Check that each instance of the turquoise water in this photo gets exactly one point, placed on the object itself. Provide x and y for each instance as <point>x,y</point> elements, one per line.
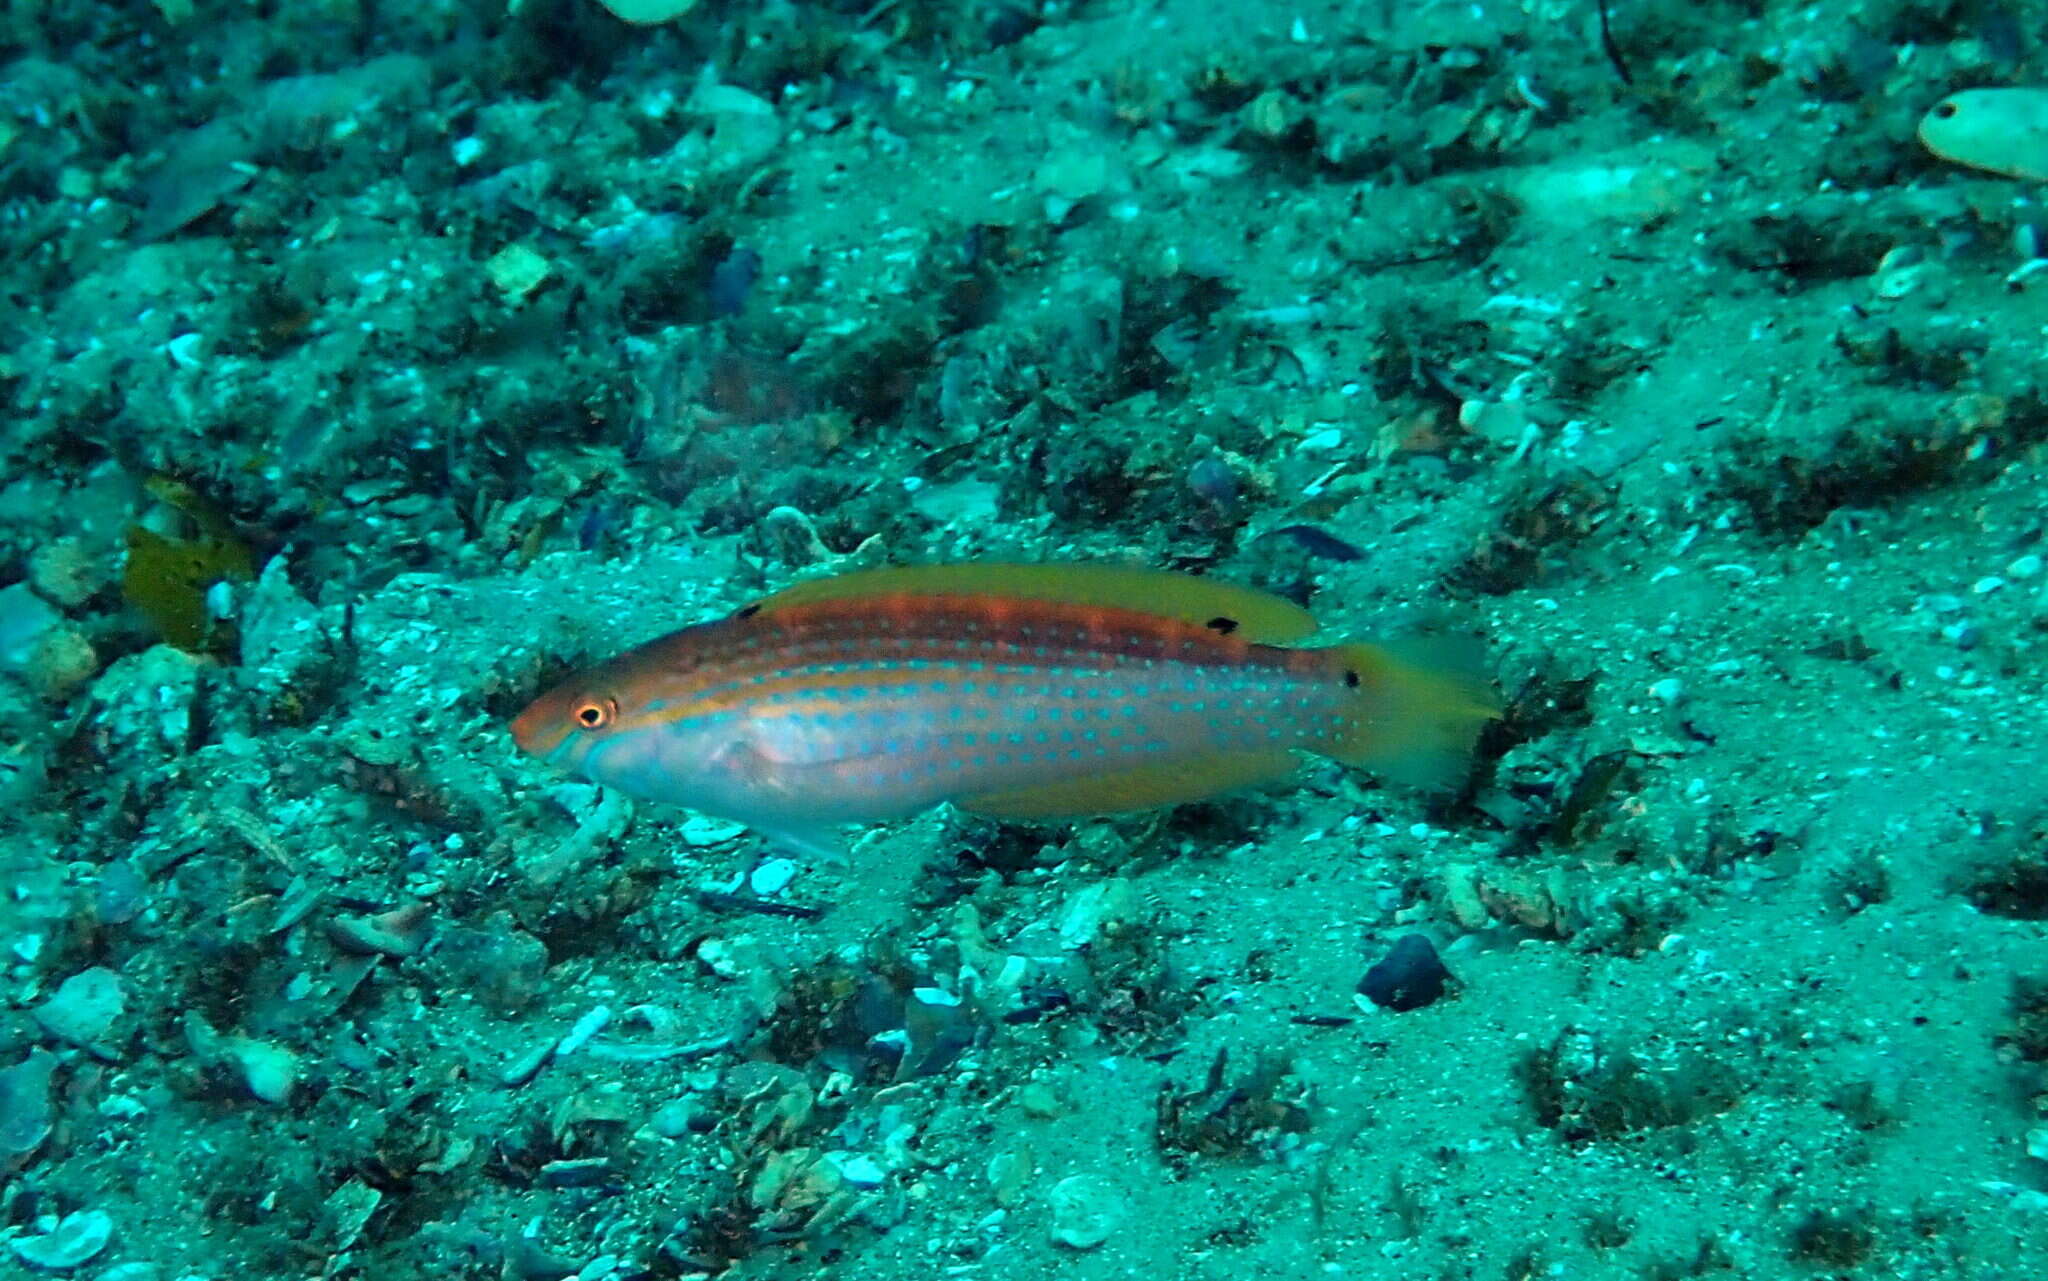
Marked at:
<point>370,367</point>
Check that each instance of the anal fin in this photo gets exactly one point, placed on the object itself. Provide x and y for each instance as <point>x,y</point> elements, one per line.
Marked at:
<point>1143,787</point>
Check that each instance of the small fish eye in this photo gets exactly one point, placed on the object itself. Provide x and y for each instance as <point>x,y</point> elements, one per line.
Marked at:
<point>596,713</point>
<point>1222,626</point>
<point>1945,110</point>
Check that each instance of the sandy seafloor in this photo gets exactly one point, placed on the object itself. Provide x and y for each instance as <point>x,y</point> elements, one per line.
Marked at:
<point>368,365</point>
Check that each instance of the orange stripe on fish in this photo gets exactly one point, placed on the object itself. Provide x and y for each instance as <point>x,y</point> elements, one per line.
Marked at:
<point>1021,691</point>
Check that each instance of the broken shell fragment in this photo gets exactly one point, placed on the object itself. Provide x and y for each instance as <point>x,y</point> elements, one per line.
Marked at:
<point>346,1211</point>
<point>76,1239</point>
<point>578,1172</point>
<point>399,932</point>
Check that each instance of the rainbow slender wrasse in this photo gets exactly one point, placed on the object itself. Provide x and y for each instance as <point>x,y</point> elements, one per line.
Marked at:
<point>1018,691</point>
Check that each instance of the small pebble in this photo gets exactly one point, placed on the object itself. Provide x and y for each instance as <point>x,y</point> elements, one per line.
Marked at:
<point>517,270</point>
<point>1500,421</point>
<point>2028,1200</point>
<point>1040,1100</point>
<point>772,877</point>
<point>675,1118</point>
<point>858,1171</point>
<point>119,893</point>
<point>1411,977</point>
<point>1009,1173</point>
<point>1213,480</point>
<point>84,1007</point>
<point>63,661</point>
<point>717,956</point>
<point>270,1071</point>
<point>26,1109</point>
<point>1085,1211</point>
<point>24,617</point>
<point>2025,567</point>
<point>732,280</point>
<point>699,832</point>
<point>67,572</point>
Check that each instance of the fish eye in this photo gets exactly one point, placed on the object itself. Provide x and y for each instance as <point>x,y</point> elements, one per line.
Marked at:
<point>596,713</point>
<point>1945,109</point>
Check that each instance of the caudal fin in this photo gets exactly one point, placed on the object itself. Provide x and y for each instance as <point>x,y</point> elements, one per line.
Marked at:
<point>1424,703</point>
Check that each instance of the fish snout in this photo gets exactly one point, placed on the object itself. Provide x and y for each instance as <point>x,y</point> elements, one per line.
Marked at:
<point>542,728</point>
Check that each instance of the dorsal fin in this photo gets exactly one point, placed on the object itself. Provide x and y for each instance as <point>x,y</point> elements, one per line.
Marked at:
<point>1252,615</point>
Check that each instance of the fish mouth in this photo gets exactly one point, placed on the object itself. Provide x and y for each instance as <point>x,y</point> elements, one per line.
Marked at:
<point>540,730</point>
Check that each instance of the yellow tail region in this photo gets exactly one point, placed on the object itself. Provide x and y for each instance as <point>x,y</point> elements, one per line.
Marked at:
<point>1427,701</point>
